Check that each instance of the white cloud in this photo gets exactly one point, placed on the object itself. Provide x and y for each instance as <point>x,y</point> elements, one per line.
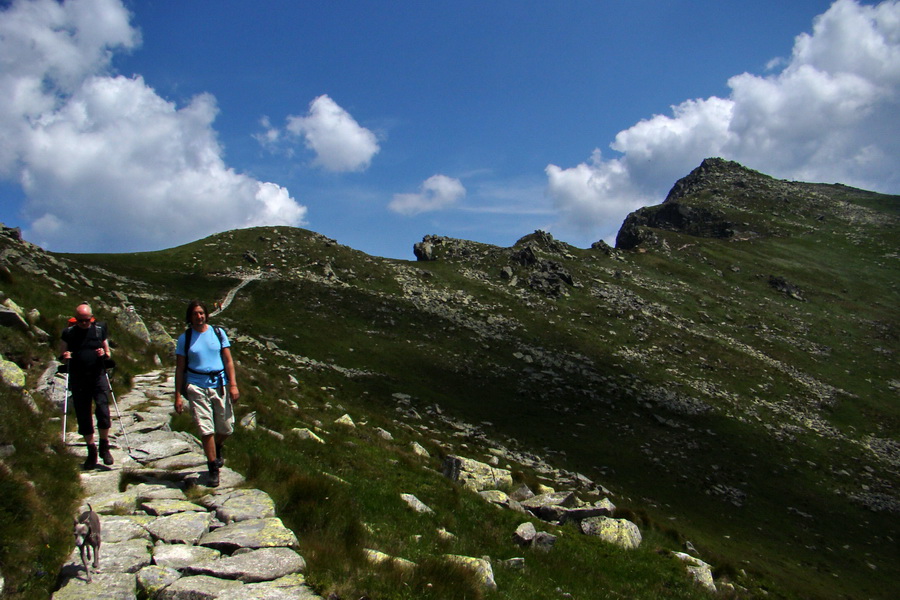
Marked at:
<point>340,143</point>
<point>831,114</point>
<point>105,162</point>
<point>436,193</point>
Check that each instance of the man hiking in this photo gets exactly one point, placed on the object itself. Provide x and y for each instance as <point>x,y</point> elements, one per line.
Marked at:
<point>204,374</point>
<point>84,349</point>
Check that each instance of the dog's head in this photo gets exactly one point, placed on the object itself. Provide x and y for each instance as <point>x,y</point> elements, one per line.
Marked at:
<point>81,531</point>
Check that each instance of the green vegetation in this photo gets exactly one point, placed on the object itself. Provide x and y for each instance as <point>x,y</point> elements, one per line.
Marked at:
<point>737,392</point>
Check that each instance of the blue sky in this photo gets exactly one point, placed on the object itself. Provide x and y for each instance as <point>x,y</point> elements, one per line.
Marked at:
<point>147,124</point>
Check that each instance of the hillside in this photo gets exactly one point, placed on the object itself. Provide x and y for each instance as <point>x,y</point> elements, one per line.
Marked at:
<point>727,373</point>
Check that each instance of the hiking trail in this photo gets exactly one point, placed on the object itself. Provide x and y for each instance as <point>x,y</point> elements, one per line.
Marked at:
<point>157,541</point>
<point>233,292</point>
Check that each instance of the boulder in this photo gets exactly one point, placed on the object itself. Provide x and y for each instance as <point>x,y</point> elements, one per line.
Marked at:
<point>621,532</point>
<point>699,570</point>
<point>551,506</point>
<point>11,374</point>
<point>525,534</point>
<point>415,504</point>
<point>544,541</point>
<point>131,322</point>
<point>13,319</point>
<point>475,475</point>
<point>481,568</point>
<point>424,250</point>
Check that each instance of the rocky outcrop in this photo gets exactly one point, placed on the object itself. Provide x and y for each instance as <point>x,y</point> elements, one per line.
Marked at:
<point>671,216</point>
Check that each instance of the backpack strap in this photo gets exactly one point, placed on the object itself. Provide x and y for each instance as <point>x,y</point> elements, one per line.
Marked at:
<point>187,346</point>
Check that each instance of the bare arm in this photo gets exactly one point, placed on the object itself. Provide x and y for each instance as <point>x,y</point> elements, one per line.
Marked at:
<point>229,370</point>
<point>180,364</point>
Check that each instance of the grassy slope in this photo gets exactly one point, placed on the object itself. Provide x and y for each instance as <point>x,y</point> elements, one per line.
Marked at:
<point>697,318</point>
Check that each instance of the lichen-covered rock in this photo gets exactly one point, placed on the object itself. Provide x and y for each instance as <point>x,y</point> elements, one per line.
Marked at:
<point>481,567</point>
<point>153,578</point>
<point>181,528</point>
<point>179,556</point>
<point>620,532</point>
<point>307,434</point>
<point>240,505</point>
<point>11,374</point>
<point>699,570</point>
<point>105,586</point>
<point>198,587</point>
<point>264,564</point>
<point>254,533</point>
<point>474,475</point>
<point>169,506</point>
<point>120,528</point>
<point>289,587</point>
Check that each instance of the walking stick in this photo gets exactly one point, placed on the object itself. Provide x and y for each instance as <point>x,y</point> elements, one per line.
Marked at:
<point>116,404</point>
<point>65,401</point>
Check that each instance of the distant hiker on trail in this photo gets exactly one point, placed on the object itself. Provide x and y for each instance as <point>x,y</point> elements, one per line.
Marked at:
<point>204,374</point>
<point>84,349</point>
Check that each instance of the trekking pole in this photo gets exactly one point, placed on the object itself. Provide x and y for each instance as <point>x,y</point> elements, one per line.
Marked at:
<point>118,414</point>
<point>65,401</point>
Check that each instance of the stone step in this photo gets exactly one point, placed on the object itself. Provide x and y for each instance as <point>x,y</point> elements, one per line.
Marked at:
<point>155,541</point>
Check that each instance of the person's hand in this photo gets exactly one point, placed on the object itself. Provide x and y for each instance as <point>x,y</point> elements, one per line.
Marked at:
<point>234,392</point>
<point>66,355</point>
<point>100,352</point>
<point>179,405</point>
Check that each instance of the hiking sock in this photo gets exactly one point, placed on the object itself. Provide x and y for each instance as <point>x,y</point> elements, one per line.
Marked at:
<point>220,458</point>
<point>213,479</point>
<point>91,461</point>
<point>104,452</point>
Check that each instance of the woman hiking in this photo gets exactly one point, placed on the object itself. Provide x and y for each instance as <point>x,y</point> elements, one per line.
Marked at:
<point>204,374</point>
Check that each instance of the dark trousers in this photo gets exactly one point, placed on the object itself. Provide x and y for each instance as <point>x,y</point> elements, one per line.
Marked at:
<point>82,399</point>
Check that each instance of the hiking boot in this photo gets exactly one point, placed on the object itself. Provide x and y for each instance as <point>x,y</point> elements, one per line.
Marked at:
<point>220,458</point>
<point>91,461</point>
<point>104,452</point>
<point>213,477</point>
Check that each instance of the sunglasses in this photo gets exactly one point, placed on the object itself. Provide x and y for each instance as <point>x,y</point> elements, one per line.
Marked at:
<point>83,319</point>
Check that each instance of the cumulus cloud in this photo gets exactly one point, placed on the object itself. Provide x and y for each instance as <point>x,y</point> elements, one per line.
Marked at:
<point>339,142</point>
<point>832,113</point>
<point>436,193</point>
<point>107,164</point>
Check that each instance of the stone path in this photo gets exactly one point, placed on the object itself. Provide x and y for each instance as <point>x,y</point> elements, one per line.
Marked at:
<point>166,535</point>
<point>233,292</point>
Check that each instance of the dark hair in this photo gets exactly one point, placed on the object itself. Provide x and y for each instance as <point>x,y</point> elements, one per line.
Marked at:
<point>190,309</point>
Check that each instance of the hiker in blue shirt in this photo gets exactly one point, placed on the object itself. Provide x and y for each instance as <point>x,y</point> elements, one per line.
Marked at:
<point>204,374</point>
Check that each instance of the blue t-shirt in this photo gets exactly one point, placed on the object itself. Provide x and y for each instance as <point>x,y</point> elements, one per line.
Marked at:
<point>205,366</point>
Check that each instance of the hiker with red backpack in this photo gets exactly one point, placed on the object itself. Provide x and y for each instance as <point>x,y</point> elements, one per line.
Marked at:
<point>85,349</point>
<point>204,374</point>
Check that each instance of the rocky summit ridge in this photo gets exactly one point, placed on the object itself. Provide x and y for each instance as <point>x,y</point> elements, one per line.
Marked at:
<point>725,378</point>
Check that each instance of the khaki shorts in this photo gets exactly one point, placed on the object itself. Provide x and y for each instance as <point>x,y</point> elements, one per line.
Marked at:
<point>212,410</point>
